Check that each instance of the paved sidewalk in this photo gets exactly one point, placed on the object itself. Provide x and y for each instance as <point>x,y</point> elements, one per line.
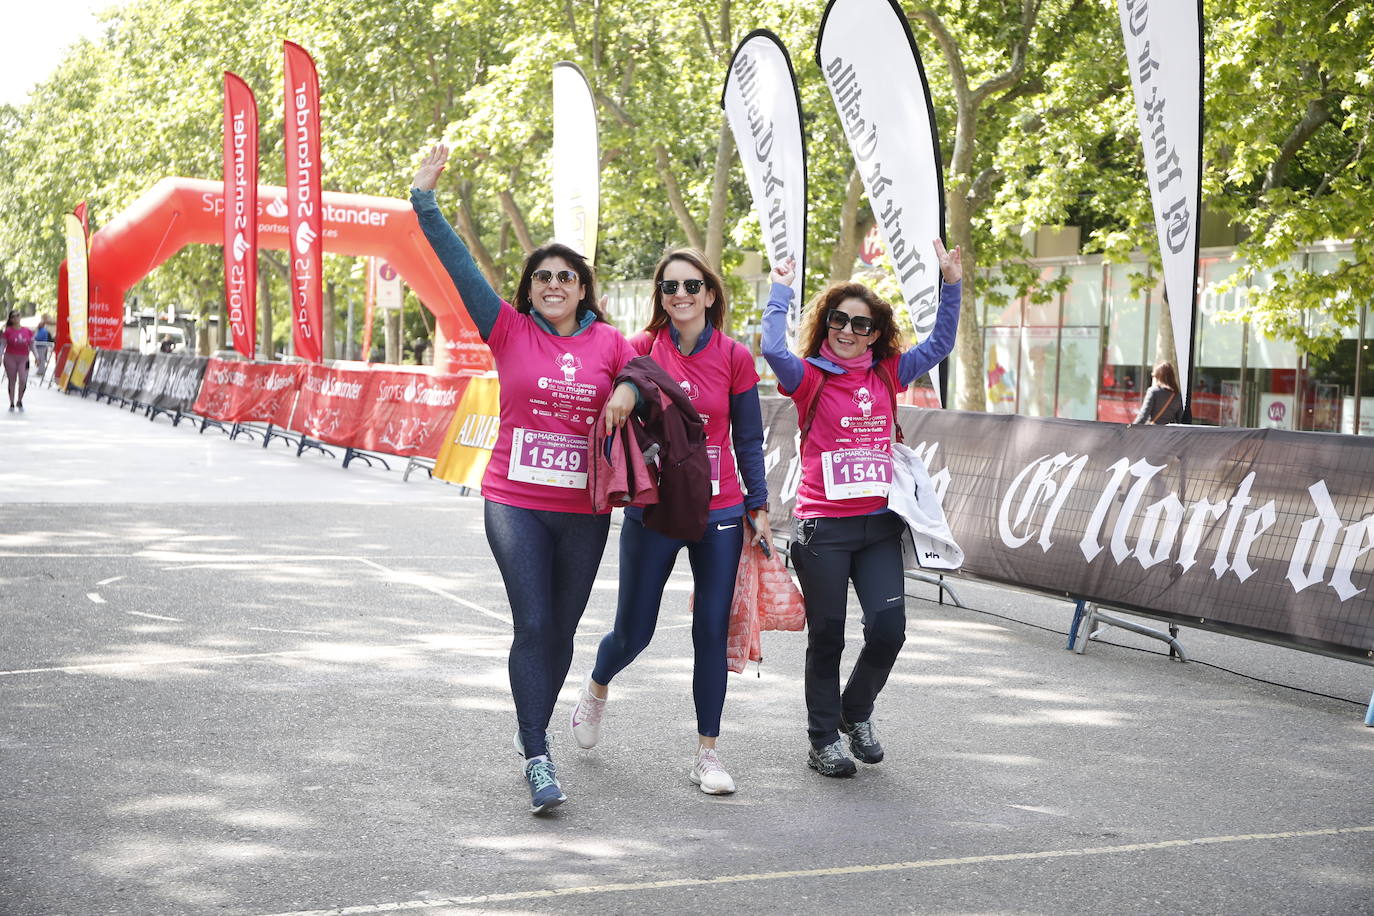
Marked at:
<point>283,691</point>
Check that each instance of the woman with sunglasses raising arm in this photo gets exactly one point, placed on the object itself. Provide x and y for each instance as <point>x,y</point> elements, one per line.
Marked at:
<point>557,359</point>
<point>845,392</point>
<point>684,336</point>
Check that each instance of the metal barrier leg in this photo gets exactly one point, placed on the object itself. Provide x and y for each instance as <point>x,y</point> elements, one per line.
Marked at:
<point>1110,620</point>
<point>1077,619</point>
<point>938,582</point>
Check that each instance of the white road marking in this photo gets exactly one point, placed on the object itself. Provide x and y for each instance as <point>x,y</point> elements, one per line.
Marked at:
<point>155,616</point>
<point>109,580</point>
<point>300,632</point>
<point>322,651</point>
<point>825,872</point>
<point>421,583</point>
<point>95,598</point>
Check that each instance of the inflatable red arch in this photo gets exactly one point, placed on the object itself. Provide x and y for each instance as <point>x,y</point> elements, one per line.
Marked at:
<point>177,212</point>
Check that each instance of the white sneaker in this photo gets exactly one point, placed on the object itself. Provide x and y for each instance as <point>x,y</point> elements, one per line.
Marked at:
<point>709,774</point>
<point>586,717</point>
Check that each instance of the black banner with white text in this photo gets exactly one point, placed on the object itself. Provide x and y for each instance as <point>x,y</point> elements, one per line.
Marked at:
<point>1261,533</point>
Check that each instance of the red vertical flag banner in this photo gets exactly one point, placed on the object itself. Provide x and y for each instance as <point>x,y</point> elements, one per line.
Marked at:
<point>240,212</point>
<point>305,222</point>
<point>369,310</point>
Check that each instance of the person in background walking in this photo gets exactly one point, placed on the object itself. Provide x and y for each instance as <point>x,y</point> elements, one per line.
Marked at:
<point>42,346</point>
<point>684,336</point>
<point>845,393</point>
<point>1163,403</point>
<point>557,358</point>
<point>18,341</point>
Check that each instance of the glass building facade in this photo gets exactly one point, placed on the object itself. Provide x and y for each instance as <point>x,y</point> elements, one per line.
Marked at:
<point>1086,354</point>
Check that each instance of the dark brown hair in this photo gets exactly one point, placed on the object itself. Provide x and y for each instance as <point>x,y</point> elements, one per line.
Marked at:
<point>1165,373</point>
<point>887,337</point>
<point>575,261</point>
<point>715,312</point>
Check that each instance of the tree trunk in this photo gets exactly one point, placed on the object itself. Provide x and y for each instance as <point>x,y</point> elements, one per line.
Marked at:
<point>720,188</point>
<point>675,201</point>
<point>1166,349</point>
<point>391,324</point>
<point>971,391</point>
<point>327,322</point>
<point>265,349</point>
<point>853,228</point>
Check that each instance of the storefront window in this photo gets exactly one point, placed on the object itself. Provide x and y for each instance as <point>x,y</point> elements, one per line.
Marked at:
<point>1000,352</point>
<point>1124,378</point>
<point>1217,394</point>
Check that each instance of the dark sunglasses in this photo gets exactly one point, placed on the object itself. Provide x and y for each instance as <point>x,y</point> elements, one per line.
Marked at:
<point>861,325</point>
<point>669,287</point>
<point>566,277</point>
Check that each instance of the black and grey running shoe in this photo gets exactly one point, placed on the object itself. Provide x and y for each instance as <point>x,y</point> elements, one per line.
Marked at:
<point>863,741</point>
<point>831,760</point>
<point>545,792</point>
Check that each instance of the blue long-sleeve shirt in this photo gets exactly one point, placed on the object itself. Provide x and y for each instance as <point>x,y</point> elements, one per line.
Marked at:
<point>914,363</point>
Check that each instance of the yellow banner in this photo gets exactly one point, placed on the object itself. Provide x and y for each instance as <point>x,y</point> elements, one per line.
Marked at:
<point>78,367</point>
<point>472,434</point>
<point>77,283</point>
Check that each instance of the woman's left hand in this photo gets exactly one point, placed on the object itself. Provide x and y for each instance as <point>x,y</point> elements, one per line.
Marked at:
<point>763,534</point>
<point>951,262</point>
<point>619,406</point>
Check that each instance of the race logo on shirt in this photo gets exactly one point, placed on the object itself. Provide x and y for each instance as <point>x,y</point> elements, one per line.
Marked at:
<point>569,364</point>
<point>689,389</point>
<point>864,399</point>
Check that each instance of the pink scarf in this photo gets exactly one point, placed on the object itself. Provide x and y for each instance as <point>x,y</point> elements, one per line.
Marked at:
<point>861,363</point>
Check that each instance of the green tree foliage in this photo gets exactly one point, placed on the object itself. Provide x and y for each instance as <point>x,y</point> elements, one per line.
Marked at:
<point>1033,103</point>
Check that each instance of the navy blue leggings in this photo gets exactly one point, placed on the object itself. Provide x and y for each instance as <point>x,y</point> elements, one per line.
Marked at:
<point>646,561</point>
<point>548,561</point>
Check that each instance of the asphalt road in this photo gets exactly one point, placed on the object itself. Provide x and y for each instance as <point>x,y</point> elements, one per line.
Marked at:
<point>278,687</point>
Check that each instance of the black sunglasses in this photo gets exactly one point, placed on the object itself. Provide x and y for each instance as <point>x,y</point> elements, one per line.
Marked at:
<point>861,325</point>
<point>669,287</point>
<point>566,277</point>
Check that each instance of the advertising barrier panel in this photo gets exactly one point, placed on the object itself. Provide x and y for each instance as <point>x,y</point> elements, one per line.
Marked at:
<point>332,404</point>
<point>472,434</point>
<point>408,413</point>
<point>234,391</point>
<point>1258,533</point>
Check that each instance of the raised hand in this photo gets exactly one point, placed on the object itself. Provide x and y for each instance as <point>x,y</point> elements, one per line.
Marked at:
<point>784,272</point>
<point>951,262</point>
<point>427,176</point>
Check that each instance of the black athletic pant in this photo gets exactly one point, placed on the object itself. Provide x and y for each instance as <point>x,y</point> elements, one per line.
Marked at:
<point>828,554</point>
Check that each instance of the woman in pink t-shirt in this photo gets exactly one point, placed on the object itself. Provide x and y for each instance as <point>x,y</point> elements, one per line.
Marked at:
<point>558,359</point>
<point>685,337</point>
<point>845,391</point>
<point>18,340</point>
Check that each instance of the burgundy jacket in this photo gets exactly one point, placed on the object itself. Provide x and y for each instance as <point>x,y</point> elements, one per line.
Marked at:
<point>668,420</point>
<point>620,474</point>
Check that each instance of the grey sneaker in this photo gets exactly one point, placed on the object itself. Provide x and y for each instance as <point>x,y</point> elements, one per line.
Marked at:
<point>545,792</point>
<point>831,760</point>
<point>863,741</point>
<point>520,744</point>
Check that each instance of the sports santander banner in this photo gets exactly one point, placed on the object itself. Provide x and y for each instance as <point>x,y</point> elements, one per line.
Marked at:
<point>332,405</point>
<point>242,392</point>
<point>408,413</point>
<point>240,213</point>
<point>1164,55</point>
<point>576,161</point>
<point>78,288</point>
<point>764,110</point>
<point>304,199</point>
<point>876,78</point>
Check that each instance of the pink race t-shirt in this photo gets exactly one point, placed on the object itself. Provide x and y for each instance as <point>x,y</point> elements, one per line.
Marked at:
<point>846,456</point>
<point>552,391</point>
<point>722,368</point>
<point>17,341</point>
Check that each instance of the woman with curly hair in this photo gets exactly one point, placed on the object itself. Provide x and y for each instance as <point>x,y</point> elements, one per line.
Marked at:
<point>844,386</point>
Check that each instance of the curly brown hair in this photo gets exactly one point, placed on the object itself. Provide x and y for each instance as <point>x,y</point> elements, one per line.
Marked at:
<point>715,312</point>
<point>887,337</point>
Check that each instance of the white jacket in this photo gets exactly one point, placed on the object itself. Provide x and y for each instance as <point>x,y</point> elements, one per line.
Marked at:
<point>928,542</point>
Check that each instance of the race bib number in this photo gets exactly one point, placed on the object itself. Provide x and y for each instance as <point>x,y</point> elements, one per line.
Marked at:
<point>713,455</point>
<point>853,473</point>
<point>548,459</point>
